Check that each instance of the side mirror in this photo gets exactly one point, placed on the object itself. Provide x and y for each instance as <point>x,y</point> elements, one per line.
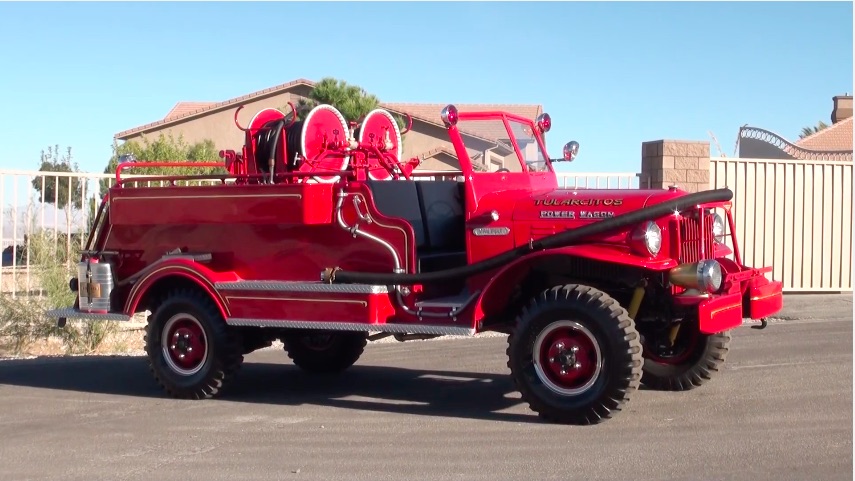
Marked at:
<point>570,150</point>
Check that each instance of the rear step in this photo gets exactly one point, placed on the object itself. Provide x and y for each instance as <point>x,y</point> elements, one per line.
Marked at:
<point>72,313</point>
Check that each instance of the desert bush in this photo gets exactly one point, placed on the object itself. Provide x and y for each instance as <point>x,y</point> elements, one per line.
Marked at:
<point>23,323</point>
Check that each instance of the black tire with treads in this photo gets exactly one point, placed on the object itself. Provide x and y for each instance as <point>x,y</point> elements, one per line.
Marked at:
<point>223,348</point>
<point>600,321</point>
<point>340,352</point>
<point>706,360</point>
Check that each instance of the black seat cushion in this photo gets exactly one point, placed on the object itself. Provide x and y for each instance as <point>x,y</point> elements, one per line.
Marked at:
<point>435,210</point>
<point>399,198</point>
<point>443,214</point>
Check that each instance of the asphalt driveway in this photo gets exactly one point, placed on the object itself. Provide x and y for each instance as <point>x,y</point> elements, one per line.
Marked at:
<point>439,410</point>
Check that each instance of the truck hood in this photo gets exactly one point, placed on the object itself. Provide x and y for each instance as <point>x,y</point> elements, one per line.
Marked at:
<point>589,204</point>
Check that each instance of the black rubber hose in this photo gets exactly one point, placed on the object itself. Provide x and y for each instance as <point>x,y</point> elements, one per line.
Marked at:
<point>561,239</point>
<point>292,143</point>
<point>277,131</point>
<point>266,140</point>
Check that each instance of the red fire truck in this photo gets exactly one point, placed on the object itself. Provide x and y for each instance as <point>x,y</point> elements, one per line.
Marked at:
<point>319,235</point>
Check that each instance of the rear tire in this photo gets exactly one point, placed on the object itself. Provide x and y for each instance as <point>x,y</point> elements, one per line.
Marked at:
<point>575,355</point>
<point>322,352</point>
<point>192,353</point>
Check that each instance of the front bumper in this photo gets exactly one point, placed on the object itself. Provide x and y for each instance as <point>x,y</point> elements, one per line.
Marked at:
<point>752,297</point>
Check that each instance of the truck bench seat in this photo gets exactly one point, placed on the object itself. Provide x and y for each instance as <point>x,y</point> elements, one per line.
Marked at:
<point>399,198</point>
<point>435,210</point>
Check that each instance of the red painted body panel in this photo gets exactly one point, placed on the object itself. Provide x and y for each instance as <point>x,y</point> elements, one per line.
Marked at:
<point>720,313</point>
<point>311,307</point>
<point>276,247</point>
<point>204,277</point>
<point>223,204</point>
<point>764,297</point>
<point>497,286</point>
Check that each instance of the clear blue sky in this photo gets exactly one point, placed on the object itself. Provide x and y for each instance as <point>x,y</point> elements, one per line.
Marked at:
<point>612,75</point>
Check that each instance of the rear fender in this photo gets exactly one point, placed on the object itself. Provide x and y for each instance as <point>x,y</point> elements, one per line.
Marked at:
<point>184,269</point>
<point>498,289</point>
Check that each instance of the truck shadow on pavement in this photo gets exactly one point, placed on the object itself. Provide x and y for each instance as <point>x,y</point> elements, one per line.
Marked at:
<point>482,396</point>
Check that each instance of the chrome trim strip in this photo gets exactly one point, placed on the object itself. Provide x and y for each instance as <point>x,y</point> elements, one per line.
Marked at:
<point>354,326</point>
<point>207,196</point>
<point>290,286</point>
<point>72,313</point>
<point>198,257</point>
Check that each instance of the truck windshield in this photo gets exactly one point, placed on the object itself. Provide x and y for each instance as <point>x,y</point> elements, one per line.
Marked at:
<point>491,148</point>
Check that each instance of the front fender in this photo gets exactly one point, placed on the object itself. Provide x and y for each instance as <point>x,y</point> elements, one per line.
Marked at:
<point>498,289</point>
<point>188,269</point>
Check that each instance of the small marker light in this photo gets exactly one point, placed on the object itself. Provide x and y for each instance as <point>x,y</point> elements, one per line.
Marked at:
<point>544,122</point>
<point>449,115</point>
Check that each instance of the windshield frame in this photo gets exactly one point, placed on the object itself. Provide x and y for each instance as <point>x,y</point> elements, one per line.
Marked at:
<point>506,119</point>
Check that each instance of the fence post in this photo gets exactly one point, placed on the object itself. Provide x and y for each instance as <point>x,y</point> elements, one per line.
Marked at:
<point>685,163</point>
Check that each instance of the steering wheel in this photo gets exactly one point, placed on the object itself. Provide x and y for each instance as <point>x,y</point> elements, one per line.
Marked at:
<point>503,169</point>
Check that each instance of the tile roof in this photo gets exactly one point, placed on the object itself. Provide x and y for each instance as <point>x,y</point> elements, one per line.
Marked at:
<point>227,103</point>
<point>835,137</point>
<point>424,112</point>
<point>186,108</point>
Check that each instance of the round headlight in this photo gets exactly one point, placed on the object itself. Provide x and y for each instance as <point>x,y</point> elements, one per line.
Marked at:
<point>709,275</point>
<point>718,228</point>
<point>650,235</point>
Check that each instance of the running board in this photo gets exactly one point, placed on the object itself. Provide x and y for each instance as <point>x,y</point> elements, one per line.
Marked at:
<point>355,326</point>
<point>292,286</point>
<point>72,313</point>
<point>451,302</point>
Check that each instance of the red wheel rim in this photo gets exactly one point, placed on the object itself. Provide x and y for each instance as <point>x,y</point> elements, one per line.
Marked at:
<point>185,344</point>
<point>567,358</point>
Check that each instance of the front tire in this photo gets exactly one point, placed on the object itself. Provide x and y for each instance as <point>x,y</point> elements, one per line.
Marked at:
<point>192,353</point>
<point>693,361</point>
<point>575,355</point>
<point>322,352</point>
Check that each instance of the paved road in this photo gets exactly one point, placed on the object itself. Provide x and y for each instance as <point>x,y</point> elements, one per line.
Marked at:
<point>435,410</point>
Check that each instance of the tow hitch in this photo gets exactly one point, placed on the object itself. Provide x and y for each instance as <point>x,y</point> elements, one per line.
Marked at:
<point>763,324</point>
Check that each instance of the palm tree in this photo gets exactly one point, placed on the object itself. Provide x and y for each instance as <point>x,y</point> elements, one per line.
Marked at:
<point>807,131</point>
<point>351,100</point>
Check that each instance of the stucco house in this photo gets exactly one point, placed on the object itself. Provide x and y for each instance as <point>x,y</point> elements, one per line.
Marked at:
<point>427,139</point>
<point>832,143</point>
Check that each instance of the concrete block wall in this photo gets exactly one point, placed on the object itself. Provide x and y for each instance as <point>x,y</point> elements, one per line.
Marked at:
<point>684,163</point>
